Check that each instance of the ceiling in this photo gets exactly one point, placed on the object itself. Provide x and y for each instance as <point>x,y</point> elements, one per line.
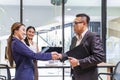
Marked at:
<point>48,2</point>
<point>112,3</point>
<point>41,12</point>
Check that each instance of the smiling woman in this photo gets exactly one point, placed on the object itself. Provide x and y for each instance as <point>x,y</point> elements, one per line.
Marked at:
<point>30,32</point>
<point>22,55</point>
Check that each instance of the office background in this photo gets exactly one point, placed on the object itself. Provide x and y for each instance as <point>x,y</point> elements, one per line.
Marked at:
<point>51,17</point>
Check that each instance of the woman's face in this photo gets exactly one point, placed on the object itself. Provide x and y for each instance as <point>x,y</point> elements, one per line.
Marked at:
<point>30,33</point>
<point>20,33</point>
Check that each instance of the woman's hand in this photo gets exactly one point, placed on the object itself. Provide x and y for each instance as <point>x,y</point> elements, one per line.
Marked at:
<point>56,55</point>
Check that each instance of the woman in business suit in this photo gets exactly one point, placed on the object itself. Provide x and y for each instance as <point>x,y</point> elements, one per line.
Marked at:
<point>20,53</point>
<point>86,50</point>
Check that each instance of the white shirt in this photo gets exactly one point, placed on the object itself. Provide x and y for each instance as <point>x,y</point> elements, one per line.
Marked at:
<point>33,47</point>
<point>79,38</point>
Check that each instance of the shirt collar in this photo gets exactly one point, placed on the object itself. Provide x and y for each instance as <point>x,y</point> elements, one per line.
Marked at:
<point>82,35</point>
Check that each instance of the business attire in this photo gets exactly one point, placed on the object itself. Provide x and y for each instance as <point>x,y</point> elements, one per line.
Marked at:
<point>34,47</point>
<point>89,52</point>
<point>23,57</point>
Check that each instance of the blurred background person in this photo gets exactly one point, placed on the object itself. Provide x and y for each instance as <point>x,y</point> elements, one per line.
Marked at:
<point>30,32</point>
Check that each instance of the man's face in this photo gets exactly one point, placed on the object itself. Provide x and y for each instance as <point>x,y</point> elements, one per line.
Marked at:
<point>79,25</point>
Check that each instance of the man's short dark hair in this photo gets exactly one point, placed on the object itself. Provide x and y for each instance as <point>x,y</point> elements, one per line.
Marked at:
<point>84,15</point>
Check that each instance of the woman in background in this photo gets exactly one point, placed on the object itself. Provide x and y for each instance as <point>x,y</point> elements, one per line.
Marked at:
<point>30,32</point>
<point>20,54</point>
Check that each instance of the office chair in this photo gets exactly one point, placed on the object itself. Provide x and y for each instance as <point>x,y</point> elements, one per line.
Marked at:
<point>115,74</point>
<point>4,72</point>
<point>2,77</point>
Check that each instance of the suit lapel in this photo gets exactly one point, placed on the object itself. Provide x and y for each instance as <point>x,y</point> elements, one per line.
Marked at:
<point>73,44</point>
<point>85,37</point>
<point>82,42</point>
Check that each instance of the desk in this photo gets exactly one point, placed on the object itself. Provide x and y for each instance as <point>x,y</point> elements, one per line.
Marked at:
<point>61,66</point>
<point>109,67</point>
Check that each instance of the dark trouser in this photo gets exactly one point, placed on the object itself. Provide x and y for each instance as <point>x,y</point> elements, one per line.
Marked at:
<point>73,78</point>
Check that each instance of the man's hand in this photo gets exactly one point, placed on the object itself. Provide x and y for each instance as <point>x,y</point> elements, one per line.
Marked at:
<point>60,56</point>
<point>73,61</point>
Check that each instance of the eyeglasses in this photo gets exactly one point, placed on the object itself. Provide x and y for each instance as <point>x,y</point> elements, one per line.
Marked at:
<point>75,23</point>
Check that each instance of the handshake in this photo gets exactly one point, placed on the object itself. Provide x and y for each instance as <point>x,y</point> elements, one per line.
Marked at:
<point>62,57</point>
<point>73,61</point>
<point>56,56</point>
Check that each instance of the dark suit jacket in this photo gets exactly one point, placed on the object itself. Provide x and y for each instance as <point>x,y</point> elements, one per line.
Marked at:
<point>89,53</point>
<point>23,57</point>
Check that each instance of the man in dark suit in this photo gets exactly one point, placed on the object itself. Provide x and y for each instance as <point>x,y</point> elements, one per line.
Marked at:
<point>86,50</point>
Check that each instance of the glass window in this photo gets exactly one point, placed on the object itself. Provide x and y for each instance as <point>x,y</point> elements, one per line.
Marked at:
<point>44,16</point>
<point>9,13</point>
<point>92,8</point>
<point>113,31</point>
